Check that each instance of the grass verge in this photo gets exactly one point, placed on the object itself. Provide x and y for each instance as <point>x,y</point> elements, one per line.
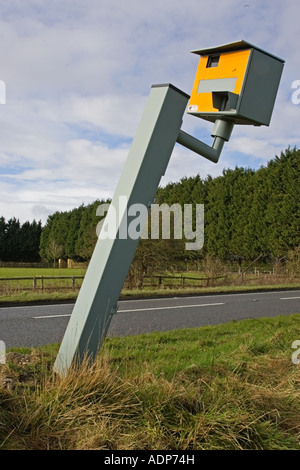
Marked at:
<point>227,387</point>
<point>22,297</point>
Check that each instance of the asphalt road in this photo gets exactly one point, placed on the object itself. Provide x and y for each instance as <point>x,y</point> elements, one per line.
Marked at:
<point>44,324</point>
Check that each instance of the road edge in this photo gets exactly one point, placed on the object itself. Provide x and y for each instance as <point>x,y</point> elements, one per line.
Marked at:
<point>144,297</point>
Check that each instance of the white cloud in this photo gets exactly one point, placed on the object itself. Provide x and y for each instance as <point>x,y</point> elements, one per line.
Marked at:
<point>113,114</point>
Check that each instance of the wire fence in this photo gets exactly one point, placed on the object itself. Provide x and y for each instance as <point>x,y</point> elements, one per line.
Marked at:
<point>160,281</point>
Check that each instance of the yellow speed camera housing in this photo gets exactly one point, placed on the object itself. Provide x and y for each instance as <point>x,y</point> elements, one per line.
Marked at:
<point>236,81</point>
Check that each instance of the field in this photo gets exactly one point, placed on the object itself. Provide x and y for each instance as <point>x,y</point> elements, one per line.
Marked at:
<point>30,272</point>
<point>228,387</point>
<point>33,284</point>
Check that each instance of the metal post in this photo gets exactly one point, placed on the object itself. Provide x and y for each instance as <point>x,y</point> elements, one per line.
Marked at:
<point>146,163</point>
<point>221,133</point>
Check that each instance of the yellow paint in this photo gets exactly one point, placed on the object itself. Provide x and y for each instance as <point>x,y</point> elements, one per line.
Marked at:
<point>231,64</point>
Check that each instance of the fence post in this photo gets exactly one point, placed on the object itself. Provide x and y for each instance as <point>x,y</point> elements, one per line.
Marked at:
<point>34,283</point>
<point>73,283</point>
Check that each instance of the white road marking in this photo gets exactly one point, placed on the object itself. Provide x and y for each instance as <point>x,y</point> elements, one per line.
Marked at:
<point>54,316</point>
<point>141,309</point>
<point>170,307</point>
<point>289,298</point>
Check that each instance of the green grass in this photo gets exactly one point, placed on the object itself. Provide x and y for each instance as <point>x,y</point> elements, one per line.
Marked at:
<point>19,272</point>
<point>205,347</point>
<point>207,290</point>
<point>226,387</point>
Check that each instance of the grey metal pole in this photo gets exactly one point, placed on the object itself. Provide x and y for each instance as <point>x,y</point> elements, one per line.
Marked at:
<point>146,163</point>
<point>221,133</point>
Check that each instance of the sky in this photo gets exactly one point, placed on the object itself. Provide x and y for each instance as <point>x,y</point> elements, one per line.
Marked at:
<point>77,75</point>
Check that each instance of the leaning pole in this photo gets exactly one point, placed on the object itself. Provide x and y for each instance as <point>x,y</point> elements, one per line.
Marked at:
<point>146,163</point>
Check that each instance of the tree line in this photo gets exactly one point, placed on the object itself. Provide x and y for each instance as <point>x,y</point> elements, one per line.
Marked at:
<point>248,214</point>
<point>19,243</point>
